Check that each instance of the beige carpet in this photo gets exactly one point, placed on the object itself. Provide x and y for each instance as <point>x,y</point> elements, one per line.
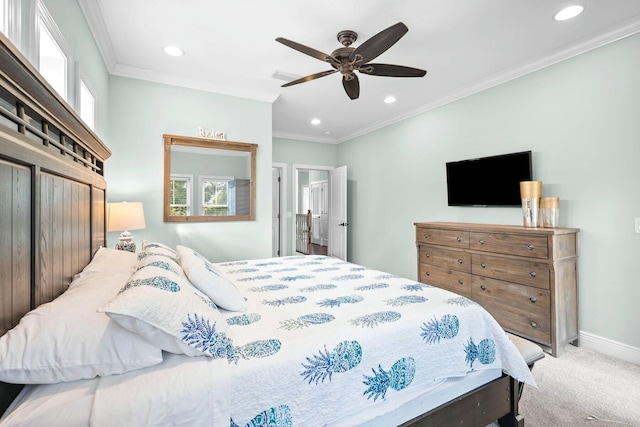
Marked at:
<point>582,388</point>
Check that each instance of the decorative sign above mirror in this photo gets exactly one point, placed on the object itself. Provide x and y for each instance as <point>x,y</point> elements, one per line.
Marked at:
<point>208,180</point>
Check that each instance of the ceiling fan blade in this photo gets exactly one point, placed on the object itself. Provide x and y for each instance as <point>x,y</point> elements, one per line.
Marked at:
<point>308,50</point>
<point>351,86</point>
<point>309,78</point>
<point>379,43</point>
<point>389,70</point>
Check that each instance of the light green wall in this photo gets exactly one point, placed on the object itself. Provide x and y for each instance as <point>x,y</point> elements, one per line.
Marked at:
<point>132,116</point>
<point>200,164</point>
<point>140,113</point>
<point>295,152</point>
<point>581,119</point>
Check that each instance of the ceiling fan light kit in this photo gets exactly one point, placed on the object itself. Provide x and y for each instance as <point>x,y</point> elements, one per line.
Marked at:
<point>347,60</point>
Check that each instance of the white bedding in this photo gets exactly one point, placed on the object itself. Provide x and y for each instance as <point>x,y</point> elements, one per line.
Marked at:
<point>115,403</point>
<point>344,343</point>
<point>322,342</point>
<point>181,390</point>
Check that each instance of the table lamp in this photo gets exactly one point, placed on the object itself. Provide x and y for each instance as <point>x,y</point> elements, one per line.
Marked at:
<point>123,217</point>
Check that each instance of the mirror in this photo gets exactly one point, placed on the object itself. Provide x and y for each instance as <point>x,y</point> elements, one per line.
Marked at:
<point>208,180</point>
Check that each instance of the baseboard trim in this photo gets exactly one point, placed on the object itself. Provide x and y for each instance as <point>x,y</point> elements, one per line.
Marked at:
<point>610,347</point>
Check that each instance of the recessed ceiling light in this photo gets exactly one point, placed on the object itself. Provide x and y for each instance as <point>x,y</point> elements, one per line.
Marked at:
<point>390,99</point>
<point>568,12</point>
<point>315,122</point>
<point>173,51</point>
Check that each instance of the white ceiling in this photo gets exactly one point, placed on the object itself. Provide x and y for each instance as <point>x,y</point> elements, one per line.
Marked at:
<point>465,45</point>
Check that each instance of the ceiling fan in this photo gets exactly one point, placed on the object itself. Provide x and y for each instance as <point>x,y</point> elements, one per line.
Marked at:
<point>347,59</point>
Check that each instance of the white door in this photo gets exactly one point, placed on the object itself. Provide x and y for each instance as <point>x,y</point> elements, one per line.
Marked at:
<point>316,209</point>
<point>338,213</point>
<point>275,209</point>
<point>324,214</point>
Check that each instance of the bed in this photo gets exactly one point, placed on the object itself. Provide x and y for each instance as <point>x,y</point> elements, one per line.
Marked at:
<point>310,341</point>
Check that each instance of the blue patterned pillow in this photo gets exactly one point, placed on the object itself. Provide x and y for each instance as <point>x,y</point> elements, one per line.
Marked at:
<point>209,280</point>
<point>160,304</point>
<point>157,248</point>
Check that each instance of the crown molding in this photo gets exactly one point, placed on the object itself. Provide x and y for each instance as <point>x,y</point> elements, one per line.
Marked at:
<point>152,76</point>
<point>303,137</point>
<point>631,28</point>
<point>93,15</point>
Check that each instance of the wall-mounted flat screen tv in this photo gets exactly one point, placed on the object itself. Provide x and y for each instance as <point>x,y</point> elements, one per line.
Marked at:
<point>488,181</point>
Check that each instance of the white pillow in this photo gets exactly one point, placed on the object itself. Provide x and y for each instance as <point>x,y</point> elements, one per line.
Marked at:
<point>67,339</point>
<point>160,304</point>
<point>208,279</point>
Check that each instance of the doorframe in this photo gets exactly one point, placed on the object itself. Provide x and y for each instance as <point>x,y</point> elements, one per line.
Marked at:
<point>294,190</point>
<point>283,206</point>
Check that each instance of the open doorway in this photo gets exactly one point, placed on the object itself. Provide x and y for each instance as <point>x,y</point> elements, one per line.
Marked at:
<point>312,212</point>
<point>319,210</point>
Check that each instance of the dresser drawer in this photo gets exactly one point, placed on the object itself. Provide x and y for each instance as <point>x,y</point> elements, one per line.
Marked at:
<point>530,273</point>
<point>434,236</point>
<point>445,258</point>
<point>511,244</point>
<point>523,324</point>
<point>451,280</point>
<point>513,307</point>
<point>520,297</point>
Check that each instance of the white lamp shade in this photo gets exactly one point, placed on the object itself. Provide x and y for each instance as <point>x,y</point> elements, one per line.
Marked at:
<point>125,216</point>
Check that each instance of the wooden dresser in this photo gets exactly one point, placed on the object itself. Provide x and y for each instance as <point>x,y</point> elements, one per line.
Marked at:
<point>525,277</point>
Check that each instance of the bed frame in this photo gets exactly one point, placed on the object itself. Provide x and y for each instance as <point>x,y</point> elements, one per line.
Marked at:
<point>52,221</point>
<point>52,193</point>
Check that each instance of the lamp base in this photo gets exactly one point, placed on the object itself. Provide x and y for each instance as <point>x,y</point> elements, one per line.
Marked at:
<point>126,242</point>
<point>126,246</point>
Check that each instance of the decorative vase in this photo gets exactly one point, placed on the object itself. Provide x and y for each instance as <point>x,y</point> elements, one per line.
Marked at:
<point>550,211</point>
<point>530,192</point>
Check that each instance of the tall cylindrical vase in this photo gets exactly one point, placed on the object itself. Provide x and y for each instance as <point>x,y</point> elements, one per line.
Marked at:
<point>530,192</point>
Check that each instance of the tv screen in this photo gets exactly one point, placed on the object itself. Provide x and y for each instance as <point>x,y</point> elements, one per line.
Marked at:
<point>488,181</point>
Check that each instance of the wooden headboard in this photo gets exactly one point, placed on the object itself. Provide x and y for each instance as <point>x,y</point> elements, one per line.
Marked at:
<point>52,192</point>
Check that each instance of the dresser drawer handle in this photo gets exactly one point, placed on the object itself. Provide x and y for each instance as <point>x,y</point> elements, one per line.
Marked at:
<point>458,239</point>
<point>459,261</point>
<point>483,265</point>
<point>530,247</point>
<point>481,241</point>
<point>533,324</point>
<point>426,273</point>
<point>427,255</point>
<point>483,287</point>
<point>532,274</point>
<point>533,300</point>
<point>460,282</point>
<point>426,236</point>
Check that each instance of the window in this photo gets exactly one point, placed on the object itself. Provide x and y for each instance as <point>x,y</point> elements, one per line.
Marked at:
<point>4,16</point>
<point>86,102</point>
<point>87,105</point>
<point>180,194</point>
<point>52,52</point>
<point>10,20</point>
<point>214,192</point>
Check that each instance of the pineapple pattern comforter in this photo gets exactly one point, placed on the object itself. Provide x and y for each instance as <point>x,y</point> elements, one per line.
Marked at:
<point>323,341</point>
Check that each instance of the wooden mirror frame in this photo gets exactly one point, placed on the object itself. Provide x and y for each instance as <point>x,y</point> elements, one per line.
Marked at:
<point>170,140</point>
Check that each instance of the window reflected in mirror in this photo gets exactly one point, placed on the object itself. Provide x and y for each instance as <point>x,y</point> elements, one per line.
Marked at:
<point>209,180</point>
